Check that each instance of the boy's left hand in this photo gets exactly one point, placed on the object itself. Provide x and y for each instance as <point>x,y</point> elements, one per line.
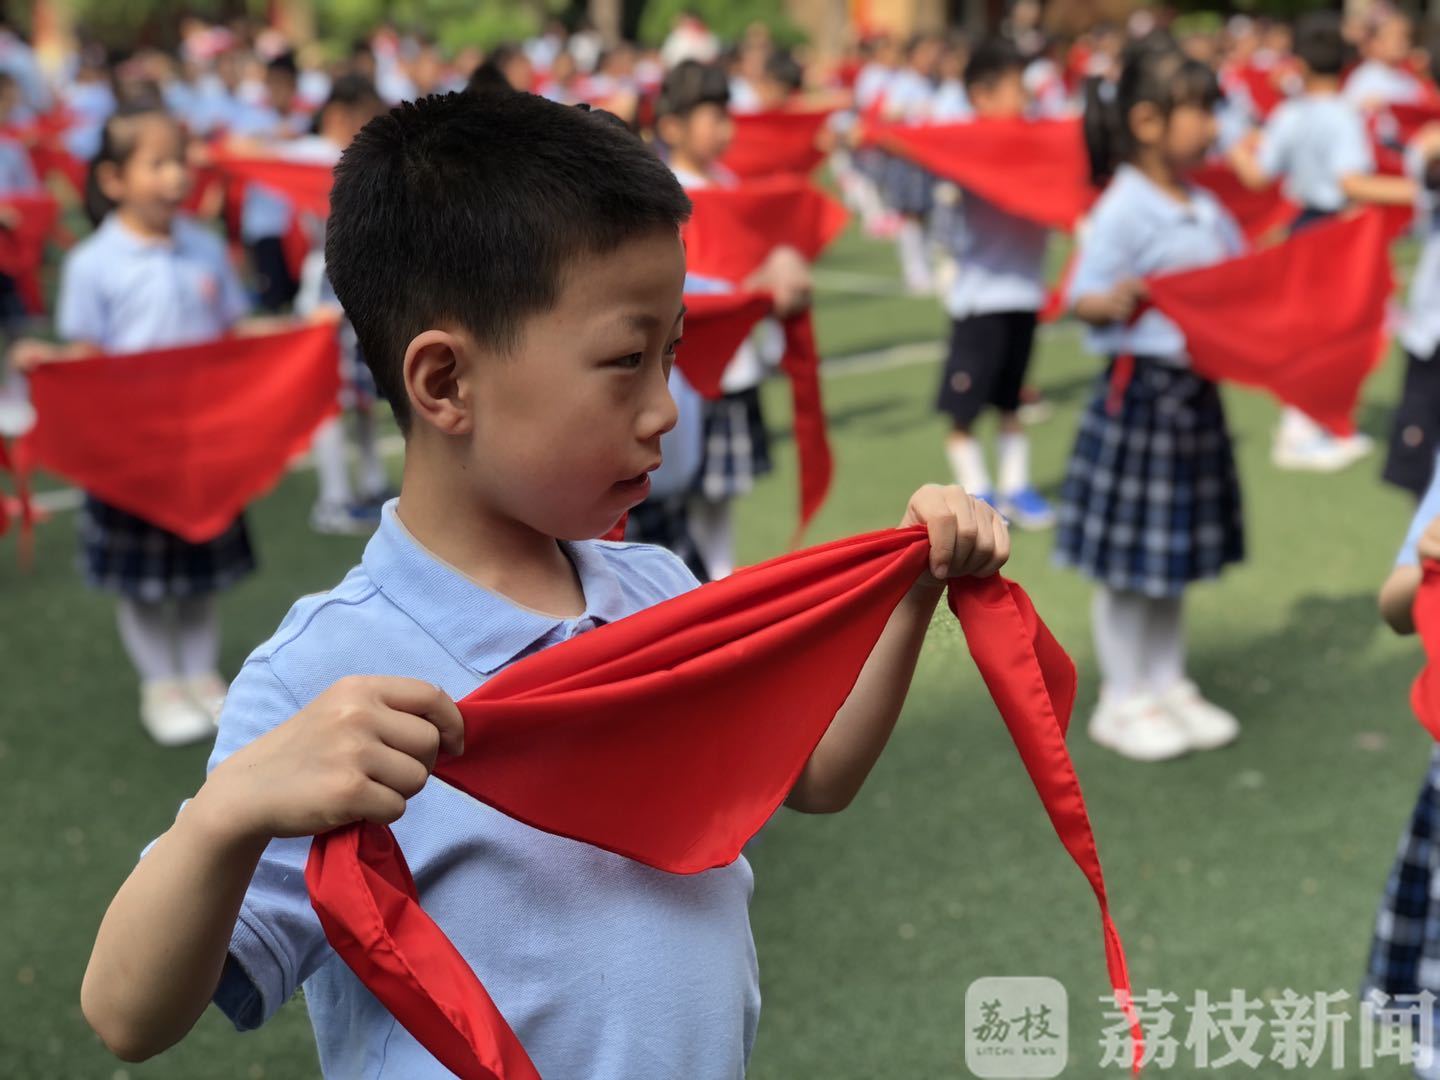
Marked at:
<point>967,536</point>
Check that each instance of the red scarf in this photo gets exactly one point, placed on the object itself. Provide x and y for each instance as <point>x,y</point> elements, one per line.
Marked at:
<point>774,143</point>
<point>1304,319</point>
<point>670,737</point>
<point>716,325</point>
<point>185,437</point>
<point>304,184</point>
<point>729,235</point>
<point>22,249</point>
<point>1425,693</point>
<point>1034,169</point>
<point>1258,213</point>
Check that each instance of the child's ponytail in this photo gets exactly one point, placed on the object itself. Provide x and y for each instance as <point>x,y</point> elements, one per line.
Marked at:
<point>1106,134</point>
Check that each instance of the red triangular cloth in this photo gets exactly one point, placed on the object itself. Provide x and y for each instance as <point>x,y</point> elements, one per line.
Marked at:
<point>1034,169</point>
<point>22,248</point>
<point>775,143</point>
<point>671,737</point>
<point>1425,692</point>
<point>186,437</point>
<point>1304,319</point>
<point>729,235</point>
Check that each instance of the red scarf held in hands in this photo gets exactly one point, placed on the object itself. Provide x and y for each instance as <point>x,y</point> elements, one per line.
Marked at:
<point>1035,169</point>
<point>22,247</point>
<point>729,235</point>
<point>185,437</point>
<point>775,143</point>
<point>1425,692</point>
<point>670,737</point>
<point>1304,320</point>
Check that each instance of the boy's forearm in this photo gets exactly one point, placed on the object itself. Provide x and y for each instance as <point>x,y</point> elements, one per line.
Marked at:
<point>1379,190</point>
<point>853,743</point>
<point>1397,598</point>
<point>162,944</point>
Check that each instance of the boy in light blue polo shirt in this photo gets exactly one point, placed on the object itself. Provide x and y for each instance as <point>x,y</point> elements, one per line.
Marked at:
<point>1318,144</point>
<point>514,272</point>
<point>993,302</point>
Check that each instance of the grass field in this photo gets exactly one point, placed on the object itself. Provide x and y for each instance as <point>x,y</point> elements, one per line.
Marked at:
<point>1257,867</point>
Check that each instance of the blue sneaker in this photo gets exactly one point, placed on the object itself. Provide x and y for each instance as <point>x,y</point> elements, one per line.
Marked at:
<point>1027,509</point>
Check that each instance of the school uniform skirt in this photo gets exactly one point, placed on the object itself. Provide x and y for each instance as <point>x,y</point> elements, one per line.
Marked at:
<point>1151,498</point>
<point>907,187</point>
<point>737,446</point>
<point>122,553</point>
<point>1405,951</point>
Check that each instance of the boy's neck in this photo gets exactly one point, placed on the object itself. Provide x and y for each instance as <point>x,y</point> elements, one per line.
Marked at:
<point>1322,85</point>
<point>683,162</point>
<point>136,225</point>
<point>498,553</point>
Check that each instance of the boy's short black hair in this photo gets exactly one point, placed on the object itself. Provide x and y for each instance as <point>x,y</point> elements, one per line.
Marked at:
<point>284,64</point>
<point>1319,42</point>
<point>785,70</point>
<point>991,60</point>
<point>689,85</point>
<point>465,210</point>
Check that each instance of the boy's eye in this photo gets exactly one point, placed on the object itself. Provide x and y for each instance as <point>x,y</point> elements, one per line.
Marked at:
<point>634,360</point>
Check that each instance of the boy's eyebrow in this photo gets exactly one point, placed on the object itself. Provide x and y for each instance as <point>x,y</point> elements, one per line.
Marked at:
<point>643,320</point>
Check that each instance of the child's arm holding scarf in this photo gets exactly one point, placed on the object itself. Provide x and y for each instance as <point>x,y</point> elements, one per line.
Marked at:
<point>967,537</point>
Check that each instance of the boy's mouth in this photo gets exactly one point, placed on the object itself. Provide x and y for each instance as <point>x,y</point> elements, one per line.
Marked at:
<point>639,481</point>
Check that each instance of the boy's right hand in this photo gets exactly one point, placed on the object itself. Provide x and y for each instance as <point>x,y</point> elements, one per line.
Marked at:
<point>355,753</point>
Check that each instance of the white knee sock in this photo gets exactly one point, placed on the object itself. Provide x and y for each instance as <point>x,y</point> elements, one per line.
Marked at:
<point>331,469</point>
<point>712,529</point>
<point>1164,644</point>
<point>148,633</point>
<point>967,462</point>
<point>914,260</point>
<point>1012,448</point>
<point>198,639</point>
<point>1119,624</point>
<point>373,478</point>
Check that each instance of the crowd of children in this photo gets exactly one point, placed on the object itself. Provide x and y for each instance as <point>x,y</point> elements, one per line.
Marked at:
<point>1150,502</point>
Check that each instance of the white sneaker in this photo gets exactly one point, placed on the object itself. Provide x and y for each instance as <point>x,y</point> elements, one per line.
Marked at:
<point>169,715</point>
<point>1138,728</point>
<point>1320,452</point>
<point>207,692</point>
<point>1206,725</point>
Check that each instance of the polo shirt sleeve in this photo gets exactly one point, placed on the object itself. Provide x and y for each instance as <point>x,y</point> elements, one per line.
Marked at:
<point>1351,152</point>
<point>1273,155</point>
<point>278,942</point>
<point>1105,257</point>
<point>80,310</point>
<point>1427,512</point>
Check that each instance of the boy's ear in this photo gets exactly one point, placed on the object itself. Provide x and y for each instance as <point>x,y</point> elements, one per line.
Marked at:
<point>107,178</point>
<point>671,129</point>
<point>435,366</point>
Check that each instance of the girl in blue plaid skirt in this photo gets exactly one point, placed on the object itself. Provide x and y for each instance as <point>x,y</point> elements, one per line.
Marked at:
<point>1405,950</point>
<point>150,279</point>
<point>1150,501</point>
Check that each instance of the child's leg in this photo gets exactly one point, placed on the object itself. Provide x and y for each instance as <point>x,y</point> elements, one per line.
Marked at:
<point>1206,725</point>
<point>331,469</point>
<point>1119,620</point>
<point>712,527</point>
<point>197,639</point>
<point>914,259</point>
<point>965,390</point>
<point>967,462</point>
<point>1165,645</point>
<point>1129,720</point>
<point>373,480</point>
<point>148,634</point>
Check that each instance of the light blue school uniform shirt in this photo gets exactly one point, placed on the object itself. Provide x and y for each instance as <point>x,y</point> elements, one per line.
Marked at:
<point>125,292</point>
<point>17,174</point>
<point>1137,230</point>
<point>265,212</point>
<point>605,968</point>
<point>1425,513</point>
<point>1000,260</point>
<point>1420,333</point>
<point>1313,142</point>
<point>1374,81</point>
